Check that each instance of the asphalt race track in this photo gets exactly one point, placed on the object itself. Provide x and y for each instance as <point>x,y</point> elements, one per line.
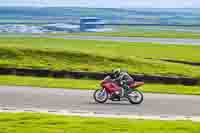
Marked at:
<point>58,99</point>
<point>117,39</point>
<point>136,39</point>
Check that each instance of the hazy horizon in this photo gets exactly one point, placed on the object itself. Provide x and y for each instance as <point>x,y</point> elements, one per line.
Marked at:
<point>104,3</point>
<point>96,7</point>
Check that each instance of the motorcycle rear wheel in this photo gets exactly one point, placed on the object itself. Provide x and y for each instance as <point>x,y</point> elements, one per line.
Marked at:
<point>136,97</point>
<point>100,96</point>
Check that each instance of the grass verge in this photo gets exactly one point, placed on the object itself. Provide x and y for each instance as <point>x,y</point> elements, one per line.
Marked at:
<point>45,123</point>
<point>92,84</point>
<point>93,56</point>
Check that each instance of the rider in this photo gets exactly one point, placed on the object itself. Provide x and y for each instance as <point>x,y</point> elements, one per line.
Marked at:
<point>123,79</point>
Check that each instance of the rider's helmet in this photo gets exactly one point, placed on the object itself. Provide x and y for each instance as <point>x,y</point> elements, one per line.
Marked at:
<point>116,72</point>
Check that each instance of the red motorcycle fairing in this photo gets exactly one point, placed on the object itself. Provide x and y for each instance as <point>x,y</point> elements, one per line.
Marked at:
<point>110,86</point>
<point>136,84</point>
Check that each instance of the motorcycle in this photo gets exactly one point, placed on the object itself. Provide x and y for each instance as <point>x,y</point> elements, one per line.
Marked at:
<point>111,91</point>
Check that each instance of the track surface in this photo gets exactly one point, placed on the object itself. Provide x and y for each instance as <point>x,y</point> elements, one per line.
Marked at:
<point>137,39</point>
<point>117,39</point>
<point>154,104</point>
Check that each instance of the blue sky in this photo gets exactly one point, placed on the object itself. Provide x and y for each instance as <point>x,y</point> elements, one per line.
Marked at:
<point>106,3</point>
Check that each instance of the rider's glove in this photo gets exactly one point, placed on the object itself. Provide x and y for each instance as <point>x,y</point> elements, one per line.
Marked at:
<point>122,82</point>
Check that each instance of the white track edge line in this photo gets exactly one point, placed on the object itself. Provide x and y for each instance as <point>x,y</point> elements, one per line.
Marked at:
<point>92,114</point>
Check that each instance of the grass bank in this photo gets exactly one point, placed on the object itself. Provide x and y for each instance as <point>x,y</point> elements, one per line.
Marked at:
<point>98,56</point>
<point>85,84</point>
<point>44,123</point>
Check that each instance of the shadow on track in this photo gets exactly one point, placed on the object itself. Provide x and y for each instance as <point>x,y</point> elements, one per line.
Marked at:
<point>114,104</point>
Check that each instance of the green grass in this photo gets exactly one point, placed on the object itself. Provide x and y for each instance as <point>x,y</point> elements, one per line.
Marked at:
<point>148,34</point>
<point>107,48</point>
<point>86,84</point>
<point>98,56</point>
<point>45,123</point>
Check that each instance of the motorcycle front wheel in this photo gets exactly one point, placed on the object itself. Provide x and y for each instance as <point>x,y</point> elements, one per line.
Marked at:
<point>100,95</point>
<point>136,97</point>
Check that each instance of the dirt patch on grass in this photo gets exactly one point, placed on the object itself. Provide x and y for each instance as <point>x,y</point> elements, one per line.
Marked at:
<point>97,76</point>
